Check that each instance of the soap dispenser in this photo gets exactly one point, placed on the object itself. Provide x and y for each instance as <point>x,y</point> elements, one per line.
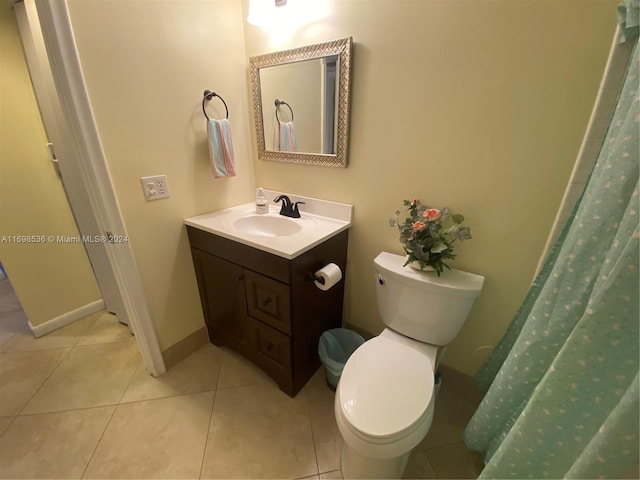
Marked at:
<point>262,206</point>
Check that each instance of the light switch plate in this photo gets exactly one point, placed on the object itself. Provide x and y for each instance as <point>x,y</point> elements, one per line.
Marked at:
<point>155,187</point>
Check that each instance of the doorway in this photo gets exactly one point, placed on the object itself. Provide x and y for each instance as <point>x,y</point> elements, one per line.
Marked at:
<point>54,125</point>
<point>77,153</point>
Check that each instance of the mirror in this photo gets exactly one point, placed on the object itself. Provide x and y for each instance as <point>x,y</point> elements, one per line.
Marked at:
<point>301,103</point>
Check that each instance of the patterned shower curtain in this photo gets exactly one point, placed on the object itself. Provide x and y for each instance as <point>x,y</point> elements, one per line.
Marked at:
<point>561,387</point>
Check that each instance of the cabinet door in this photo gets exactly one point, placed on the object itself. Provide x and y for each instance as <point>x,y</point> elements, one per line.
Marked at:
<point>268,300</point>
<point>273,354</point>
<point>222,285</point>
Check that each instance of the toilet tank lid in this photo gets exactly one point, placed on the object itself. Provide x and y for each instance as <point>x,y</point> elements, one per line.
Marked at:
<point>452,282</point>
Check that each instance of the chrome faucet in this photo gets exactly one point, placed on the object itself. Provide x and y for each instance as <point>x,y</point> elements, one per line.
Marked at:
<point>288,208</point>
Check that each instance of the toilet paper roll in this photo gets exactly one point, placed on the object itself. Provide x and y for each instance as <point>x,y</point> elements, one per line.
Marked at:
<point>328,276</point>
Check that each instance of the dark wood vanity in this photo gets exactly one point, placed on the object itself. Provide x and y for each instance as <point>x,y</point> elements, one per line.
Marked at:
<point>266,307</point>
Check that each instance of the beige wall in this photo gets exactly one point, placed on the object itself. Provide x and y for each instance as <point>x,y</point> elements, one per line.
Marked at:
<point>50,279</point>
<point>480,106</point>
<point>146,65</point>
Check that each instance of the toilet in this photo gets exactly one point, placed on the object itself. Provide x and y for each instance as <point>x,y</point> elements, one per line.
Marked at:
<point>385,397</point>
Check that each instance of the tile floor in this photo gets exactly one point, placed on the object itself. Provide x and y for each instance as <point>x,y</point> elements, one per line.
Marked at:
<point>77,403</point>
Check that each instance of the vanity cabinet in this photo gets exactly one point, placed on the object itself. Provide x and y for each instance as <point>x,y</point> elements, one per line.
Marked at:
<point>266,307</point>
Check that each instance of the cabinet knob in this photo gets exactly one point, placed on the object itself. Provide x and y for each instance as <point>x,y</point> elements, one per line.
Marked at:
<point>270,346</point>
<point>266,301</point>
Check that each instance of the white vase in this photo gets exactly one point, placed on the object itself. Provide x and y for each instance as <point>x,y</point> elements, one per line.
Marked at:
<point>416,266</point>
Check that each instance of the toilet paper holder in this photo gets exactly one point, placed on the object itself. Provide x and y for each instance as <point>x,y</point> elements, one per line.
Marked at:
<point>312,277</point>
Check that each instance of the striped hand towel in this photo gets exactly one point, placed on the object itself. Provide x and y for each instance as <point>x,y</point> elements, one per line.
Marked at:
<point>221,148</point>
<point>286,140</point>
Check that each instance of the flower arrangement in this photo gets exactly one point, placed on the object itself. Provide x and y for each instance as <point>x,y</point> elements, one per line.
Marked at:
<point>428,235</point>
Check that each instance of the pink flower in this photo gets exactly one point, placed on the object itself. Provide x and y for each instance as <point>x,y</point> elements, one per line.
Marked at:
<point>415,202</point>
<point>431,214</point>
<point>418,226</point>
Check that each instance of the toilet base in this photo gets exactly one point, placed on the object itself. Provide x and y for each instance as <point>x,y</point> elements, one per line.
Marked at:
<point>354,465</point>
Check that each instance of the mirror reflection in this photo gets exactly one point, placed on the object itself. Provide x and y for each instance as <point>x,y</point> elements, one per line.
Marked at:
<point>301,103</point>
<point>299,106</point>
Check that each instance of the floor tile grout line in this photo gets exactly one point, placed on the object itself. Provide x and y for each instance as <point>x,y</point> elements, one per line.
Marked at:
<point>307,477</point>
<point>117,406</point>
<point>425,450</point>
<point>313,435</point>
<point>429,463</point>
<point>49,412</point>
<point>42,349</point>
<point>251,384</point>
<point>222,355</point>
<point>107,342</point>
<point>175,395</point>
<point>206,440</point>
<point>133,374</point>
<point>85,345</point>
<point>69,410</point>
<point>257,382</point>
<point>65,356</point>
<point>37,349</point>
<point>441,446</point>
<point>106,426</point>
<point>330,471</point>
<point>13,419</point>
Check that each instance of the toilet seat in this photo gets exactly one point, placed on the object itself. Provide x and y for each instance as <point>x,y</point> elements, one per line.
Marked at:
<point>385,391</point>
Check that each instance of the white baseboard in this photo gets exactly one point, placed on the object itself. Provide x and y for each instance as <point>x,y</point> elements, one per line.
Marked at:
<point>67,318</point>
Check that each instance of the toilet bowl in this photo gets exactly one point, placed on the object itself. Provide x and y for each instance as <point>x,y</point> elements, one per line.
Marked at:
<point>384,405</point>
<point>385,399</point>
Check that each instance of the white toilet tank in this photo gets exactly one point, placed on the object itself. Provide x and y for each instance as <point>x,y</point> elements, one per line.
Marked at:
<point>423,305</point>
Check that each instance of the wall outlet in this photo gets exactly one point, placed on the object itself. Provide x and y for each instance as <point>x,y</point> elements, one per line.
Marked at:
<point>155,187</point>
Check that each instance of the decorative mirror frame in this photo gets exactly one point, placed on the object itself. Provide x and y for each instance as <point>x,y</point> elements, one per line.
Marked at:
<point>342,48</point>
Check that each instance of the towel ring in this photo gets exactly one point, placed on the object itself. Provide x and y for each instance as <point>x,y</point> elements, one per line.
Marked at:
<point>277,103</point>
<point>208,95</point>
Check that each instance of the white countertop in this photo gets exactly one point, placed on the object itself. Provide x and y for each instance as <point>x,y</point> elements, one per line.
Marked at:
<point>319,220</point>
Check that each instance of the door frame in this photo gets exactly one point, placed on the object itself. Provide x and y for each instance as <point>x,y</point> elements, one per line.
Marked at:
<point>94,179</point>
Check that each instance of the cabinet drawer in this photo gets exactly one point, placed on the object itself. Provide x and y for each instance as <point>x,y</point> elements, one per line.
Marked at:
<point>268,300</point>
<point>273,345</point>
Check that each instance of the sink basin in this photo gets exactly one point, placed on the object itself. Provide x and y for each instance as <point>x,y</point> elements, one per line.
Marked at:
<point>267,226</point>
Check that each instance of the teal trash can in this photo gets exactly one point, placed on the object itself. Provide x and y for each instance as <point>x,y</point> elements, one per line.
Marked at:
<point>334,348</point>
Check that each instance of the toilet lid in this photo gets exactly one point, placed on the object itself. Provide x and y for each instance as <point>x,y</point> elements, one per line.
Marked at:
<point>385,387</point>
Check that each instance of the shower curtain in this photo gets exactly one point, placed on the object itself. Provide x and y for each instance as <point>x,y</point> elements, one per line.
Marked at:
<point>561,387</point>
